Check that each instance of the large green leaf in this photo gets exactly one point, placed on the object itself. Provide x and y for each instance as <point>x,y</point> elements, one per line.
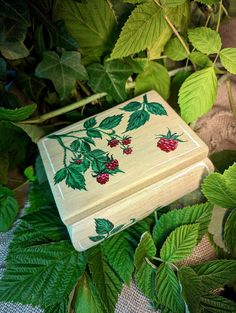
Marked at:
<point>221,189</point>
<point>208,2</point>
<point>230,233</point>
<point>228,59</point>
<point>8,209</point>
<point>142,29</point>
<point>137,119</point>
<point>157,47</point>
<point>217,304</point>
<point>172,3</point>
<point>41,274</point>
<point>197,94</point>
<point>145,249</point>
<point>205,40</point>
<point>105,278</point>
<point>18,114</point>
<point>15,10</point>
<point>110,77</point>
<point>199,213</point>
<point>155,76</point>
<point>12,36</point>
<point>62,71</point>
<point>180,243</point>
<point>85,22</point>
<point>61,307</point>
<point>174,50</point>
<point>168,289</point>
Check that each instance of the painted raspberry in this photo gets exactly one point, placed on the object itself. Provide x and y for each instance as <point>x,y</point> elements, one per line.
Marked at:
<point>168,142</point>
<point>126,141</point>
<point>79,161</point>
<point>102,178</point>
<point>113,142</point>
<point>112,165</point>
<point>127,150</point>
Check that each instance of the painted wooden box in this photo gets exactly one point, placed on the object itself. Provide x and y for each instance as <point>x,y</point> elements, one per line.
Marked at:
<point>115,168</point>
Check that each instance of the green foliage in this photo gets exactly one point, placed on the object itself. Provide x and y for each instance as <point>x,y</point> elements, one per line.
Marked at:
<point>230,233</point>
<point>223,159</point>
<point>17,115</point>
<point>8,209</point>
<point>217,304</point>
<point>174,50</point>
<point>200,59</point>
<point>172,3</point>
<point>228,59</point>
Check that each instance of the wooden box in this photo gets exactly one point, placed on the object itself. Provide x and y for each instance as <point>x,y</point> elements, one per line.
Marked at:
<point>113,169</point>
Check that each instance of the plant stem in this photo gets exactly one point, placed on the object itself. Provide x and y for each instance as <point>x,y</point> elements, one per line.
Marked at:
<point>150,263</point>
<point>219,17</point>
<point>66,109</point>
<point>230,96</point>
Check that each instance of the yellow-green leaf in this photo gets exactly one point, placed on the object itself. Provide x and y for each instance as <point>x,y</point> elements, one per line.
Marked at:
<point>228,59</point>
<point>175,50</point>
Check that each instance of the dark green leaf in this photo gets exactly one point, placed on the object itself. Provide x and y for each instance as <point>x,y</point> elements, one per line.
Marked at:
<point>39,196</point>
<point>89,140</point>
<point>94,133</point>
<point>30,85</point>
<point>111,121</point>
<point>91,122</point>
<point>63,38</point>
<point>61,307</point>
<point>17,114</point>
<point>137,119</point>
<point>156,108</point>
<point>8,209</point>
<point>85,147</point>
<point>117,228</point>
<point>103,226</point>
<point>3,69</point>
<point>216,304</point>
<point>97,238</point>
<point>230,233</point>
<point>75,145</point>
<point>15,10</point>
<point>60,175</point>
<point>132,106</point>
<point>74,178</point>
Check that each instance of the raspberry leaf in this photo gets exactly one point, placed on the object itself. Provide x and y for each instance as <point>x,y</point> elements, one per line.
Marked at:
<point>132,106</point>
<point>230,233</point>
<point>111,121</point>
<point>8,209</point>
<point>90,123</point>
<point>60,175</point>
<point>103,226</point>
<point>75,145</point>
<point>217,304</point>
<point>172,3</point>
<point>156,108</point>
<point>97,238</point>
<point>74,178</point>
<point>228,59</point>
<point>61,307</point>
<point>137,119</point>
<point>18,114</point>
<point>94,133</point>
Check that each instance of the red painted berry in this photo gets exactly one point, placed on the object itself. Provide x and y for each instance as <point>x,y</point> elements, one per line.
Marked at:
<point>127,151</point>
<point>167,145</point>
<point>112,165</point>
<point>126,141</point>
<point>103,178</point>
<point>113,142</point>
<point>78,161</point>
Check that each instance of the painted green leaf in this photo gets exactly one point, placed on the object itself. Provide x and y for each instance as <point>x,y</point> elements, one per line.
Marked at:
<point>137,119</point>
<point>91,122</point>
<point>199,213</point>
<point>180,243</point>
<point>172,3</point>
<point>217,304</point>
<point>155,76</point>
<point>86,298</point>
<point>18,114</point>
<point>205,40</point>
<point>168,288</point>
<point>143,27</point>
<point>97,238</point>
<point>132,106</point>
<point>85,147</point>
<point>85,22</point>
<point>156,108</point>
<point>103,226</point>
<point>110,77</point>
<point>12,36</point>
<point>228,59</point>
<point>111,122</point>
<point>174,50</point>
<point>74,178</point>
<point>89,140</point>
<point>94,133</point>
<point>62,71</point>
<point>230,233</point>
<point>191,288</point>
<point>117,228</point>
<point>197,94</point>
<point>75,145</point>
<point>60,175</point>
<point>200,59</point>
<point>15,10</point>
<point>8,209</point>
<point>31,86</point>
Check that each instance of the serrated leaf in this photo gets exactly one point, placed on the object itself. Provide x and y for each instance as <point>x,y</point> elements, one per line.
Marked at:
<point>39,196</point>
<point>199,213</point>
<point>16,10</point>
<point>174,50</point>
<point>230,233</point>
<point>61,307</point>
<point>157,47</point>
<point>200,59</point>
<point>18,114</point>
<point>208,2</point>
<point>111,122</point>
<point>75,179</point>
<point>180,243</point>
<point>105,278</point>
<point>85,22</point>
<point>168,289</point>
<point>62,71</point>
<point>205,40</point>
<point>172,3</point>
<point>191,288</point>
<point>145,249</point>
<point>60,175</point>
<point>103,226</point>
<point>197,94</point>
<point>137,119</point>
<point>217,304</point>
<point>132,106</point>
<point>215,274</point>
<point>49,270</point>
<point>91,122</point>
<point>110,77</point>
<point>156,108</point>
<point>97,238</point>
<point>141,30</point>
<point>155,76</point>
<point>228,59</point>
<point>94,133</point>
<point>8,209</point>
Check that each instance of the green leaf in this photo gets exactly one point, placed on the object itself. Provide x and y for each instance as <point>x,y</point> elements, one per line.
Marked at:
<point>86,298</point>
<point>31,86</point>
<point>75,145</point>
<point>205,40</point>
<point>180,243</point>
<point>230,233</point>
<point>30,174</point>
<point>61,307</point>
<point>144,26</point>
<point>17,115</point>
<point>111,122</point>
<point>33,131</point>
<point>174,50</point>
<point>208,2</point>
<point>117,228</point>
<point>228,59</point>
<point>172,3</point>
<point>197,94</point>
<point>110,77</point>
<point>223,159</point>
<point>137,119</point>
<point>12,36</point>
<point>156,108</point>
<point>221,189</point>
<point>200,59</point>
<point>132,106</point>
<point>63,38</point>
<point>74,178</point>
<point>89,140</point>
<point>155,76</point>
<point>62,71</point>
<point>157,47</point>
<point>217,304</point>
<point>103,226</point>
<point>191,288</point>
<point>199,213</point>
<point>91,122</point>
<point>15,10</point>
<point>168,289</point>
<point>215,274</point>
<point>97,238</point>
<point>39,196</point>
<point>94,133</point>
<point>145,249</point>
<point>50,270</point>
<point>60,175</point>
<point>85,22</point>
<point>8,209</point>
<point>104,278</point>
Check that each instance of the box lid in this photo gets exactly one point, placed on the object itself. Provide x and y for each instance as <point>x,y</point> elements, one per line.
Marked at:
<point>98,161</point>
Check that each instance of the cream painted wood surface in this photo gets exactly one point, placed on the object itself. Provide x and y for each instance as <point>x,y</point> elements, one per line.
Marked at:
<point>145,166</point>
